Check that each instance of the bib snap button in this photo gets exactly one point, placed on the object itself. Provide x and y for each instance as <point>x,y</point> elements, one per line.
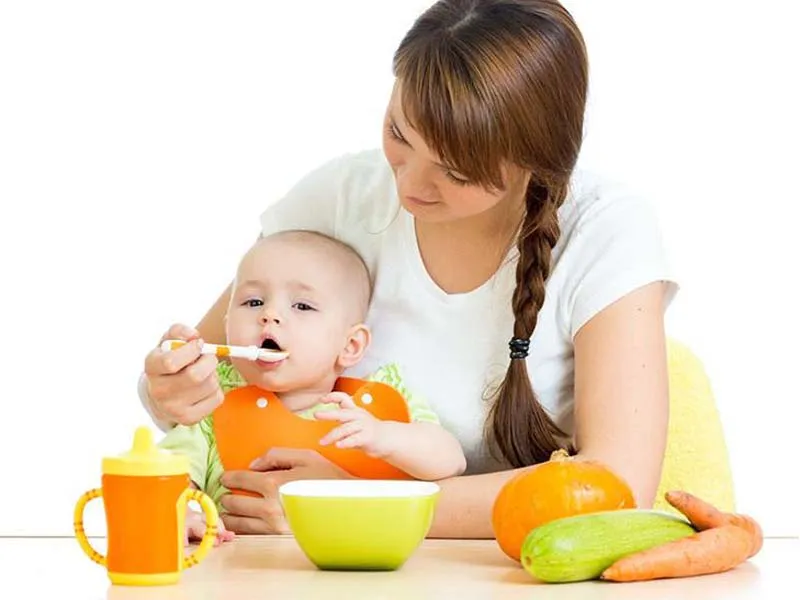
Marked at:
<point>261,403</point>
<point>366,399</point>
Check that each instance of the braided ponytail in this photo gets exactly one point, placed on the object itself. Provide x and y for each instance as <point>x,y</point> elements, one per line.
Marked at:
<point>519,429</point>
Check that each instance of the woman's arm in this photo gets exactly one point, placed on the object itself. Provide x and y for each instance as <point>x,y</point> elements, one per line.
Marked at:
<point>465,505</point>
<point>621,411</point>
<point>622,389</point>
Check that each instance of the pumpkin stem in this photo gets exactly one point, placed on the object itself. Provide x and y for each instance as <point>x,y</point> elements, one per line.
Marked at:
<point>560,455</point>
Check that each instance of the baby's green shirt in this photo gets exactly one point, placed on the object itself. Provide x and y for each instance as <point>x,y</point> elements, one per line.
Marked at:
<point>198,442</point>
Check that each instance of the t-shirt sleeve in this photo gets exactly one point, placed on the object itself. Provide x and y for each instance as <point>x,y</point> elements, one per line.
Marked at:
<point>616,247</point>
<point>312,203</point>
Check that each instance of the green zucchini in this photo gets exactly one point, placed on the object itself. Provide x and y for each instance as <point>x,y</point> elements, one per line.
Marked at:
<point>581,547</point>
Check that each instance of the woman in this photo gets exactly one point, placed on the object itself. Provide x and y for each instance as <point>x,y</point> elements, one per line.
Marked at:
<point>524,299</point>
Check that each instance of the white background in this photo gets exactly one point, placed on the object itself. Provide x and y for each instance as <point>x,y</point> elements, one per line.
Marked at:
<point>140,141</point>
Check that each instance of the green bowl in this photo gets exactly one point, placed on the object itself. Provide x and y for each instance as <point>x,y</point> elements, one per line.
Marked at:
<point>359,524</point>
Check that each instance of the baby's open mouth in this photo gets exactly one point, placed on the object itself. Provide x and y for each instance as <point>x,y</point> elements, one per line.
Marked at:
<point>270,344</point>
<point>271,352</point>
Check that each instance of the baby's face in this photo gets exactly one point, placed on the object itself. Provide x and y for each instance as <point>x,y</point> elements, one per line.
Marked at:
<point>289,296</point>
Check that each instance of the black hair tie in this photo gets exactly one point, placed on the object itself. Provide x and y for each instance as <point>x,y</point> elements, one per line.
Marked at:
<point>519,347</point>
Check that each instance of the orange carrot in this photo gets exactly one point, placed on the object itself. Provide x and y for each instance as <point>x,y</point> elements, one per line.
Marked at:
<point>713,550</point>
<point>704,516</point>
<point>700,513</point>
<point>752,527</point>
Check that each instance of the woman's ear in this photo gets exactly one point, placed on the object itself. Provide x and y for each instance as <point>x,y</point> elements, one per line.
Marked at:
<point>358,338</point>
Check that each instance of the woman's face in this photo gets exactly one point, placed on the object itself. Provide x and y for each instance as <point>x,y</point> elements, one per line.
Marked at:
<point>430,190</point>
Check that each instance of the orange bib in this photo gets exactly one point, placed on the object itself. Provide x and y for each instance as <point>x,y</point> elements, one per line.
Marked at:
<point>251,421</point>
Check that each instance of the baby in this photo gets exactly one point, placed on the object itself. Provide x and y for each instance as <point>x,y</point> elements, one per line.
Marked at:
<point>307,295</point>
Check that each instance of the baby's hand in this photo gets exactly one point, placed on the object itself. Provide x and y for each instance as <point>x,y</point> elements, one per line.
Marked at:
<point>358,429</point>
<point>196,528</point>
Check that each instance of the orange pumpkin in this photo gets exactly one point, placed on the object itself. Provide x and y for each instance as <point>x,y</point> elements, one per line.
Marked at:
<point>561,487</point>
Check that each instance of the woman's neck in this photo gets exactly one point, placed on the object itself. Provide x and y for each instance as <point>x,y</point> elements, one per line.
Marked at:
<point>460,256</point>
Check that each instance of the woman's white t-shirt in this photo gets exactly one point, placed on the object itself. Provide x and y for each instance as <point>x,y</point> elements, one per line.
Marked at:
<point>453,348</point>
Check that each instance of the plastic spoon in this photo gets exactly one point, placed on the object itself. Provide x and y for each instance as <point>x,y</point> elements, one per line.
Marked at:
<point>223,350</point>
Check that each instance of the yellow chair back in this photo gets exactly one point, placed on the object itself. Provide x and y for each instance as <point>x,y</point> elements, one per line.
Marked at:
<point>696,458</point>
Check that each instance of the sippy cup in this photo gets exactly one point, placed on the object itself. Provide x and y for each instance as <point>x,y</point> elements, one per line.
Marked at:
<point>145,492</point>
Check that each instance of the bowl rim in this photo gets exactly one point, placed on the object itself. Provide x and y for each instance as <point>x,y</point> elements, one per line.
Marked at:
<point>372,489</point>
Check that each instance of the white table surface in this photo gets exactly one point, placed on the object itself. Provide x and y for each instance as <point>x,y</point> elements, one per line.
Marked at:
<point>274,568</point>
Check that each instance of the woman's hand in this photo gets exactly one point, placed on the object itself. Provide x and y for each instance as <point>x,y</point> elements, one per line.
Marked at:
<point>182,384</point>
<point>264,515</point>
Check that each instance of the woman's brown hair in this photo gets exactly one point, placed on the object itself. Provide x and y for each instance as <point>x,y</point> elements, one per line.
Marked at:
<point>492,82</point>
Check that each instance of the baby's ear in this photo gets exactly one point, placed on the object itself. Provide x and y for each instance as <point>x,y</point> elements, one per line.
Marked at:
<point>358,339</point>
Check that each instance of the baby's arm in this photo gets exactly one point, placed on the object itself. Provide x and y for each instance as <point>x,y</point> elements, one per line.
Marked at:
<point>424,450</point>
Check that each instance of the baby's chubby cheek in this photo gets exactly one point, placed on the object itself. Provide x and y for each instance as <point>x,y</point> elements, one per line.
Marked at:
<point>242,336</point>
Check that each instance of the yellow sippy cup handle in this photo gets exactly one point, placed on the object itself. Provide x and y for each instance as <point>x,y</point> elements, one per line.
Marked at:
<point>212,519</point>
<point>80,533</point>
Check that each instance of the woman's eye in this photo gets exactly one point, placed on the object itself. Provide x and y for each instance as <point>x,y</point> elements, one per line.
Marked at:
<point>302,306</point>
<point>457,179</point>
<point>394,133</point>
